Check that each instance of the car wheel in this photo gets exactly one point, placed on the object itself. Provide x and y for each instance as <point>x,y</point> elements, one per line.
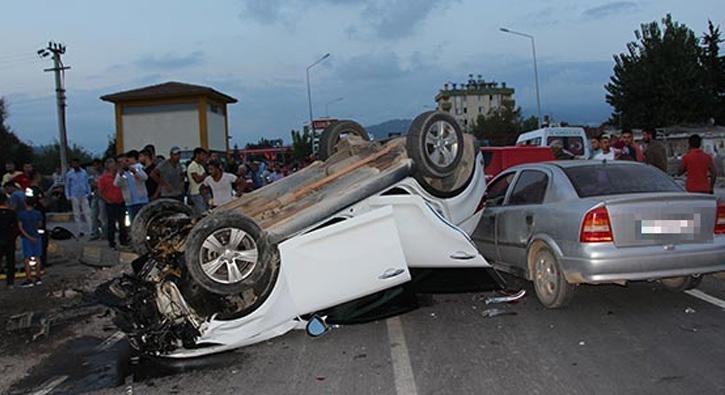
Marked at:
<point>435,143</point>
<point>680,284</point>
<point>551,287</point>
<point>151,223</point>
<point>226,254</point>
<point>336,132</point>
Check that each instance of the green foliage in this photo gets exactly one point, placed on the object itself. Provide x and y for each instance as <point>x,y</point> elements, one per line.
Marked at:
<point>12,148</point>
<point>301,144</point>
<point>47,157</point>
<point>529,124</point>
<point>660,80</point>
<point>110,151</point>
<point>501,127</point>
<point>714,65</point>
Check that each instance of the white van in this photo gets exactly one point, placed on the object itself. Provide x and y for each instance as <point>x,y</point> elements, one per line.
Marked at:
<point>574,140</point>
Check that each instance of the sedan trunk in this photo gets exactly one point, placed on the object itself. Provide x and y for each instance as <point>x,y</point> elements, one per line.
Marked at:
<point>661,219</point>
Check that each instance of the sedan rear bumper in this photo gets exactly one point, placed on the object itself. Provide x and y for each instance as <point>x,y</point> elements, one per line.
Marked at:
<point>607,264</point>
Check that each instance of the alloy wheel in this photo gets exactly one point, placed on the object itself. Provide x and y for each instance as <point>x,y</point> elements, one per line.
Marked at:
<point>228,255</point>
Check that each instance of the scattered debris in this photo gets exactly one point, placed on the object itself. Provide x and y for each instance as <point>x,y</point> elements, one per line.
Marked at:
<point>506,298</point>
<point>490,313</point>
<point>690,310</point>
<point>66,293</point>
<point>19,321</point>
<point>320,378</point>
<point>582,343</point>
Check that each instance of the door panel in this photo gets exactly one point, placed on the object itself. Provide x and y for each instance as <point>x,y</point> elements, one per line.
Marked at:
<point>516,222</point>
<point>344,261</point>
<point>485,234</point>
<point>428,239</point>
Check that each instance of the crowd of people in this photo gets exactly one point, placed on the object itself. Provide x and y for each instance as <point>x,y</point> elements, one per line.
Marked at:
<point>106,195</point>
<point>699,166</point>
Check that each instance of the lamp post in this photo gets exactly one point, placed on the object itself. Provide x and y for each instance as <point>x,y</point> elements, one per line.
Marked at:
<point>309,94</point>
<point>536,70</point>
<point>327,105</point>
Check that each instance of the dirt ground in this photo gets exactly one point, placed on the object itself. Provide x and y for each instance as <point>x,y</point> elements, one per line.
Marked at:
<point>62,308</point>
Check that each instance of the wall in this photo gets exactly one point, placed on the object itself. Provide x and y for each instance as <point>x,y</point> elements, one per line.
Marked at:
<point>164,126</point>
<point>216,128</point>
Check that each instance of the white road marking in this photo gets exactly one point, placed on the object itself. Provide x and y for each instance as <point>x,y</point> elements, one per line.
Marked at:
<point>50,386</point>
<point>402,370</point>
<point>108,343</point>
<point>707,298</point>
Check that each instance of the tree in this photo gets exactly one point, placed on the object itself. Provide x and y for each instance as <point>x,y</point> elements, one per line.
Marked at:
<point>12,148</point>
<point>110,151</point>
<point>529,124</point>
<point>47,157</point>
<point>660,80</point>
<point>714,65</point>
<point>501,126</point>
<point>301,144</point>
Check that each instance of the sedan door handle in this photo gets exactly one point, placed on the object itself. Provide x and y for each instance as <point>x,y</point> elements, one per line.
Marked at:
<point>462,255</point>
<point>390,273</point>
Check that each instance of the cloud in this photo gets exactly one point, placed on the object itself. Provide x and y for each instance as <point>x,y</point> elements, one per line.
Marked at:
<point>378,67</point>
<point>170,61</point>
<point>388,19</point>
<point>612,8</point>
<point>399,18</point>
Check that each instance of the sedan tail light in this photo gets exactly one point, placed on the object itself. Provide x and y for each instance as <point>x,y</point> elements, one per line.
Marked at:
<point>596,227</point>
<point>720,218</point>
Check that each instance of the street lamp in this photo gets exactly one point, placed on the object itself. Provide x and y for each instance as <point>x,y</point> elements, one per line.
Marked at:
<point>327,109</point>
<point>536,71</point>
<point>309,94</point>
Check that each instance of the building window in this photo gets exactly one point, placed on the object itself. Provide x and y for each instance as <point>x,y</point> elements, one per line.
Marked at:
<point>215,109</point>
<point>480,110</point>
<point>465,110</point>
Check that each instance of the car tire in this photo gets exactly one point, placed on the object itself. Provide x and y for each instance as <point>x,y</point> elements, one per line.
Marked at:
<point>335,132</point>
<point>144,236</point>
<point>550,286</point>
<point>227,254</point>
<point>681,284</point>
<point>435,143</point>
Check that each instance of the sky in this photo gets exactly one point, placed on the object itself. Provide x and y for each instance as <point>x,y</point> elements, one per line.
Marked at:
<point>388,58</point>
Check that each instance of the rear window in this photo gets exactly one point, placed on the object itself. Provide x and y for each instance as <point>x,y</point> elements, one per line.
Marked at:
<point>615,179</point>
<point>573,144</point>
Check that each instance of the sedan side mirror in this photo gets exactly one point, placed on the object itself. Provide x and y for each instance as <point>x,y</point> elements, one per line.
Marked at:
<point>316,326</point>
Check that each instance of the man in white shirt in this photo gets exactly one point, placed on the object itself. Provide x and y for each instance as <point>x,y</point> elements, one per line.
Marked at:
<point>221,184</point>
<point>605,149</point>
<point>196,173</point>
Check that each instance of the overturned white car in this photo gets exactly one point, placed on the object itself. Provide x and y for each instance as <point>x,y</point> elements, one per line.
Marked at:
<point>349,239</point>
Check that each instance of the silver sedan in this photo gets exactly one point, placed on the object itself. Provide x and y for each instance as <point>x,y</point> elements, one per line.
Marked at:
<point>561,224</point>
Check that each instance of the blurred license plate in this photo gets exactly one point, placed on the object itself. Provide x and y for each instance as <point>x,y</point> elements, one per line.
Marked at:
<point>668,226</point>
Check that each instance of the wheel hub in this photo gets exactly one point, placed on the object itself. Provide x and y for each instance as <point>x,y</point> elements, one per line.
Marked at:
<point>441,143</point>
<point>228,255</point>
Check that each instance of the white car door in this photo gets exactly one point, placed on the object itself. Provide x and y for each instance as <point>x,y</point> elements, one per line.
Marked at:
<point>428,238</point>
<point>344,261</point>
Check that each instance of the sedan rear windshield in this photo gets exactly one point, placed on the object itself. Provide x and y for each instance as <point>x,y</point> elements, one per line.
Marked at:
<point>615,179</point>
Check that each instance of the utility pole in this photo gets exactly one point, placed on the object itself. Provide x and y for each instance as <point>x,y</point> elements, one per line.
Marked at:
<point>56,50</point>
<point>536,69</point>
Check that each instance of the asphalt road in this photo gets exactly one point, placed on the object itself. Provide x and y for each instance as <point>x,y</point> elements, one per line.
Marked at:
<point>635,339</point>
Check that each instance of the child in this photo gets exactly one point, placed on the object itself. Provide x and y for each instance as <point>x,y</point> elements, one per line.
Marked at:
<point>8,234</point>
<point>29,221</point>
